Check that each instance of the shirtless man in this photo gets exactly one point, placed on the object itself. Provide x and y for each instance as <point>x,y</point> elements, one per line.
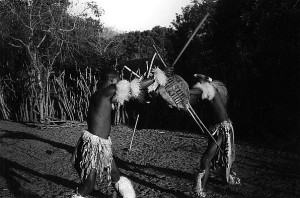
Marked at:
<point>93,154</point>
<point>222,130</point>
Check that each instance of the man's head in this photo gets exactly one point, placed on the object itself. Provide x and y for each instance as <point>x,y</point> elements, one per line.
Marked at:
<point>109,76</point>
<point>202,78</point>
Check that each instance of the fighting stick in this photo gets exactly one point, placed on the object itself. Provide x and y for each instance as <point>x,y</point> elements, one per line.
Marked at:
<point>137,119</point>
<point>132,71</point>
<point>192,36</point>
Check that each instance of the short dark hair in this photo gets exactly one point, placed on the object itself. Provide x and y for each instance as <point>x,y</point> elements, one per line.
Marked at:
<point>107,73</point>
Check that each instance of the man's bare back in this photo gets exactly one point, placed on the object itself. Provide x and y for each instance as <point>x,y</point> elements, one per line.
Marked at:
<point>220,112</point>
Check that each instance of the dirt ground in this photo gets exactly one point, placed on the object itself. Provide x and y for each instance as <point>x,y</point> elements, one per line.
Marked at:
<point>34,162</point>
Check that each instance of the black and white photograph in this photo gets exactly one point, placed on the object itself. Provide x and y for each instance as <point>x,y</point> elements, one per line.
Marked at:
<point>149,98</point>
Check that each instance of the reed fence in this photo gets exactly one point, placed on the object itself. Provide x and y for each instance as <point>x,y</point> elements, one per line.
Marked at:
<point>65,97</point>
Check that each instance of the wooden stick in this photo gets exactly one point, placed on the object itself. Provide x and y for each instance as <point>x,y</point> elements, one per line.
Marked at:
<point>195,119</point>
<point>132,71</point>
<point>137,119</point>
<point>159,56</point>
<point>188,42</point>
<point>149,70</point>
<point>201,124</point>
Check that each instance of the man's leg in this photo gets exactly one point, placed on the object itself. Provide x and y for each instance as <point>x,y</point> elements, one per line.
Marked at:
<point>115,172</point>
<point>203,175</point>
<point>207,157</point>
<point>87,186</point>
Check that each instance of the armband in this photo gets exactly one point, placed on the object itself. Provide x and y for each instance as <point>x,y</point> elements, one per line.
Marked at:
<point>135,88</point>
<point>160,77</point>
<point>122,91</point>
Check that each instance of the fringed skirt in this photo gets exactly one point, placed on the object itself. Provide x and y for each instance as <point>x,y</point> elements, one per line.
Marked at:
<point>225,158</point>
<point>93,152</point>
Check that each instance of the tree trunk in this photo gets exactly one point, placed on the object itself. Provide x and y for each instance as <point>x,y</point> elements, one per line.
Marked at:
<point>39,93</point>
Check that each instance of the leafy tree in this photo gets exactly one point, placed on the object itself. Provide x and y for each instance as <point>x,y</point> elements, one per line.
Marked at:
<point>139,45</point>
<point>199,55</point>
<point>47,32</point>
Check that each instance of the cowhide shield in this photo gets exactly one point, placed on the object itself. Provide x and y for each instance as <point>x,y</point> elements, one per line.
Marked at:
<point>176,92</point>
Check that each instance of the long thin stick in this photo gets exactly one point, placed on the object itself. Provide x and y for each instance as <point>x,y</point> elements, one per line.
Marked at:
<point>137,119</point>
<point>195,119</point>
<point>188,42</point>
<point>201,124</point>
<point>149,69</point>
<point>132,71</point>
<point>160,56</point>
<point>198,123</point>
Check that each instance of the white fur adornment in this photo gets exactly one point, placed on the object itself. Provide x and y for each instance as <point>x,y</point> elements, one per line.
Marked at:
<point>135,88</point>
<point>208,91</point>
<point>222,90</point>
<point>198,188</point>
<point>160,77</point>
<point>125,188</point>
<point>233,179</point>
<point>122,91</point>
<point>77,196</point>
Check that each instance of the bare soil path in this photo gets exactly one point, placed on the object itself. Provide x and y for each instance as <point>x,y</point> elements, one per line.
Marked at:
<point>34,163</point>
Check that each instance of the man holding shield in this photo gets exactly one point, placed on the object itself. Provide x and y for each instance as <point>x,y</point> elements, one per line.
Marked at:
<point>219,156</point>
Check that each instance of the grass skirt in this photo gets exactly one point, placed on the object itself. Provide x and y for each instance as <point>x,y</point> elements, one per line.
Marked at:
<point>93,152</point>
<point>225,158</point>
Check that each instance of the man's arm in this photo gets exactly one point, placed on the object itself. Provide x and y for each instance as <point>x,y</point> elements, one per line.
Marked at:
<point>195,94</point>
<point>146,83</point>
<point>195,91</point>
